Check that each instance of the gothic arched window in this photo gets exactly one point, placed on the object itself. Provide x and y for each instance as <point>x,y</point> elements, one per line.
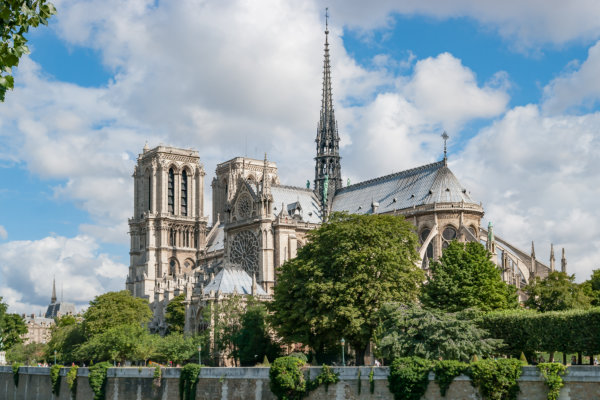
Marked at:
<point>171,191</point>
<point>184,193</point>
<point>173,267</point>
<point>149,192</point>
<point>448,235</point>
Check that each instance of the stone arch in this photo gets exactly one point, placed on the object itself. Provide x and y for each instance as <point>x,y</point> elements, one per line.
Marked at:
<point>449,233</point>
<point>174,268</point>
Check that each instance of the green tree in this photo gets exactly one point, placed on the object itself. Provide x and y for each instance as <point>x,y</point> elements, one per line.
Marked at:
<point>115,309</point>
<point>175,315</point>
<point>408,331</point>
<point>253,341</point>
<point>556,292</point>
<point>12,327</point>
<point>336,285</point>
<point>67,336</point>
<point>177,348</point>
<point>28,354</point>
<point>591,288</point>
<point>464,277</point>
<point>118,343</point>
<point>16,17</point>
<point>226,319</point>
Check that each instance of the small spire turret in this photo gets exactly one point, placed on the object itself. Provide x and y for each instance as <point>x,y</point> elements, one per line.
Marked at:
<point>53,298</point>
<point>552,259</point>
<point>563,262</point>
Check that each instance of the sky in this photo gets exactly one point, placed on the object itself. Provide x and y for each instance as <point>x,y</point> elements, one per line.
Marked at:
<point>514,84</point>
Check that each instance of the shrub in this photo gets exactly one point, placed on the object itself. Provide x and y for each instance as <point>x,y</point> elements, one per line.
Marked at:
<point>523,359</point>
<point>300,356</point>
<point>55,378</point>
<point>188,381</point>
<point>326,377</point>
<point>371,381</point>
<point>97,379</point>
<point>409,377</point>
<point>286,378</point>
<point>157,376</point>
<point>446,370</point>
<point>553,373</point>
<point>72,379</point>
<point>496,379</point>
<point>15,370</point>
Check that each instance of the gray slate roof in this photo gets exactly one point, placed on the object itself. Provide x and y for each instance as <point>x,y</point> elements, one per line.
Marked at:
<point>292,197</point>
<point>59,309</point>
<point>217,242</point>
<point>428,184</point>
<point>230,278</point>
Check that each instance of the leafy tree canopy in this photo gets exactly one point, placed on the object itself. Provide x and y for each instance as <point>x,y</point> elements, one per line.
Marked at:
<point>115,309</point>
<point>67,335</point>
<point>591,288</point>
<point>464,277</point>
<point>178,348</point>
<point>253,341</point>
<point>338,282</point>
<point>556,292</point>
<point>12,327</point>
<point>408,331</point>
<point>16,17</point>
<point>117,343</point>
<point>28,354</point>
<point>175,316</point>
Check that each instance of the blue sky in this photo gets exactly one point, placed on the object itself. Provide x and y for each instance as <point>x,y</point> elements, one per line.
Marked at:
<point>514,85</point>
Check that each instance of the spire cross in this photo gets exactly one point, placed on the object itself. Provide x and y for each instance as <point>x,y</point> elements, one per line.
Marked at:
<point>445,137</point>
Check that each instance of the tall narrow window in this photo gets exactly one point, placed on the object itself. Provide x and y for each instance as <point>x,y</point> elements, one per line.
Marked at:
<point>171,191</point>
<point>150,193</point>
<point>184,190</point>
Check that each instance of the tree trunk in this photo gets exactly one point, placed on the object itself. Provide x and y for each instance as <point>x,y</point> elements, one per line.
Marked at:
<point>564,358</point>
<point>551,357</point>
<point>591,359</point>
<point>579,358</point>
<point>360,354</point>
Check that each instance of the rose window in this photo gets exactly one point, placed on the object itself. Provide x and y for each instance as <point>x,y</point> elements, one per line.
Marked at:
<point>244,251</point>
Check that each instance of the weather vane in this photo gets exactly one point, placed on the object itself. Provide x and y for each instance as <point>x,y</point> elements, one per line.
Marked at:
<point>445,137</point>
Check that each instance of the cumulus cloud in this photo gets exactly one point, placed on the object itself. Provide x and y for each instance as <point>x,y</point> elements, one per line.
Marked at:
<point>537,178</point>
<point>82,272</point>
<point>3,233</point>
<point>577,87</point>
<point>526,24</point>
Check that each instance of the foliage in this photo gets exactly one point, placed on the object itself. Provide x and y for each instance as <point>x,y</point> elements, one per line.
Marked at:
<point>523,359</point>
<point>446,370</point>
<point>12,327</point>
<point>67,336</point>
<point>553,373</point>
<point>15,370</point>
<point>529,331</point>
<point>226,321</point>
<point>253,342</point>
<point>72,379</point>
<point>465,277</point>
<point>286,379</point>
<point>339,280</point>
<point>146,347</point>
<point>496,379</point>
<point>55,378</point>
<point>372,381</point>
<point>188,381</point>
<point>114,309</point>
<point>28,354</point>
<point>414,331</point>
<point>177,348</point>
<point>16,17</point>
<point>409,377</point>
<point>591,288</point>
<point>97,378</point>
<point>326,377</point>
<point>556,292</point>
<point>299,355</point>
<point>156,377</point>
<point>117,343</point>
<point>175,315</point>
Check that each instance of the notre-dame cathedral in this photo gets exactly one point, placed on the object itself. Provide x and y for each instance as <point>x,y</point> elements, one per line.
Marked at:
<point>258,224</point>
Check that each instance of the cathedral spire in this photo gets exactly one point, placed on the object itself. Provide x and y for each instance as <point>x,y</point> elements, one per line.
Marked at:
<point>328,176</point>
<point>563,262</point>
<point>53,298</point>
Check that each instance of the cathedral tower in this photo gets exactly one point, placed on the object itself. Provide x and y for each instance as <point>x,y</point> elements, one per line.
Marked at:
<point>328,174</point>
<point>168,228</point>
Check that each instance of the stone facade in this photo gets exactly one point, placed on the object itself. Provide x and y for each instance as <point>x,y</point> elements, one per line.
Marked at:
<point>39,329</point>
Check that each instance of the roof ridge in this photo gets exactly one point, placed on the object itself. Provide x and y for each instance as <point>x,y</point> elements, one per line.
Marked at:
<point>384,177</point>
<point>293,187</point>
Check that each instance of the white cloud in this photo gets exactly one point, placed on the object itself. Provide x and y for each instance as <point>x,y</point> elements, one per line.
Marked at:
<point>578,86</point>
<point>526,24</point>
<point>28,267</point>
<point>3,233</point>
<point>538,179</point>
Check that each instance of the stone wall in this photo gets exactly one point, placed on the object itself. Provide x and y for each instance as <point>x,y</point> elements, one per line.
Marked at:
<point>582,382</point>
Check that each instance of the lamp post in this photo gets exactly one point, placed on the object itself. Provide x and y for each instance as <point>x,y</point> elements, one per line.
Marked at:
<point>343,359</point>
<point>200,354</point>
<point>54,357</point>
